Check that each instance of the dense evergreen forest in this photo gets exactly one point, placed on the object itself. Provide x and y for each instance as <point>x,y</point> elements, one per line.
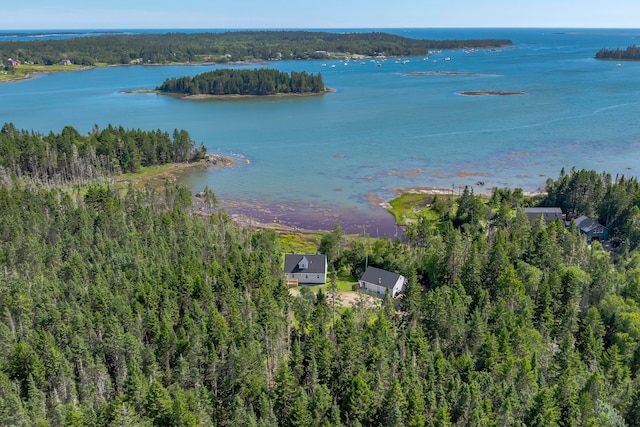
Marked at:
<point>119,307</point>
<point>630,53</point>
<point>223,47</point>
<point>259,81</point>
<point>613,201</point>
<point>71,157</point>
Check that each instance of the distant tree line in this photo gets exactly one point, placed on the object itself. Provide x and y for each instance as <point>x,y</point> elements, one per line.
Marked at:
<point>259,81</point>
<point>223,47</point>
<point>69,156</point>
<point>630,53</point>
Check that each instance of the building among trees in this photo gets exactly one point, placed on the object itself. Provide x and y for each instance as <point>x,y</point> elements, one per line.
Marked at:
<point>381,281</point>
<point>591,229</point>
<point>548,214</point>
<point>304,268</point>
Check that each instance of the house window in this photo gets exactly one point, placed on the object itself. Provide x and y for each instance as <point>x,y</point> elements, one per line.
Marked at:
<point>306,276</point>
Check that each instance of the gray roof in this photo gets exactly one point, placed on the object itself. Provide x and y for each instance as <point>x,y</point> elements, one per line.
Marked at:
<point>586,224</point>
<point>317,263</point>
<point>548,214</point>
<point>544,210</point>
<point>381,277</point>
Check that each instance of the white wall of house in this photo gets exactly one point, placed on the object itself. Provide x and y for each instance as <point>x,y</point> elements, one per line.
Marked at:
<point>312,278</point>
<point>381,290</point>
<point>398,287</point>
<point>371,287</point>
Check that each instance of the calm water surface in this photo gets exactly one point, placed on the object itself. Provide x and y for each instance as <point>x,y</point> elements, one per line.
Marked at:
<point>314,160</point>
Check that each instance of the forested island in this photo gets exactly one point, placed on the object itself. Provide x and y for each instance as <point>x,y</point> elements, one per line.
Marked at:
<point>224,47</point>
<point>119,306</point>
<point>259,81</point>
<point>631,53</point>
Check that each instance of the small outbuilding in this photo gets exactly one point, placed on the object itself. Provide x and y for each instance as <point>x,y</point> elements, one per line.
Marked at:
<point>591,229</point>
<point>548,214</point>
<point>305,269</point>
<point>380,282</point>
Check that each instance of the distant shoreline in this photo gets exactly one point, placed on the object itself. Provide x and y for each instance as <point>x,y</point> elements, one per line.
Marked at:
<point>33,73</point>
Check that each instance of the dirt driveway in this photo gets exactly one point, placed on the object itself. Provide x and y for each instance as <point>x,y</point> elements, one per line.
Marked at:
<point>348,298</point>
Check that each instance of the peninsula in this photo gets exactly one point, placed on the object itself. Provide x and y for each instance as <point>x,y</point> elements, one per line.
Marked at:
<point>232,46</point>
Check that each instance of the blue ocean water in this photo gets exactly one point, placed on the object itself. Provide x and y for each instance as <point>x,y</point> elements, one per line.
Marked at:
<point>403,124</point>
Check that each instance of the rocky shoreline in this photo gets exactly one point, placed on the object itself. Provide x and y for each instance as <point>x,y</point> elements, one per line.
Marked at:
<point>491,93</point>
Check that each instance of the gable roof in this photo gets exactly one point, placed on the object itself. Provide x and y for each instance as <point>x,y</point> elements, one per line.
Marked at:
<point>548,214</point>
<point>586,224</point>
<point>380,277</point>
<point>543,210</point>
<point>317,263</point>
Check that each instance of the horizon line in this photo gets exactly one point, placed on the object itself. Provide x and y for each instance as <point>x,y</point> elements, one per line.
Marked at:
<point>319,28</point>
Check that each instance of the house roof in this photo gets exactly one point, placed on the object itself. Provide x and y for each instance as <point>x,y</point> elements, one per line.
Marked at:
<point>557,211</point>
<point>586,224</point>
<point>317,263</point>
<point>548,214</point>
<point>380,277</point>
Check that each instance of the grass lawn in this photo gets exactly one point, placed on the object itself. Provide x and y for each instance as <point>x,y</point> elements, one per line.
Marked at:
<point>301,243</point>
<point>155,176</point>
<point>405,207</point>
<point>344,281</point>
<point>23,71</point>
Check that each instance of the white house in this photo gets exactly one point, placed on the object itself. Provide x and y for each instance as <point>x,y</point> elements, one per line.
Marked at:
<point>303,268</point>
<point>380,282</point>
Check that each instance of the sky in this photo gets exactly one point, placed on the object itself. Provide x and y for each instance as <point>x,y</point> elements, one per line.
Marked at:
<point>169,14</point>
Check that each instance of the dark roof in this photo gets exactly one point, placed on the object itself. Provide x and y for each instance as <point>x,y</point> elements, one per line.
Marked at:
<point>548,214</point>
<point>317,263</point>
<point>381,277</point>
<point>543,210</point>
<point>586,224</point>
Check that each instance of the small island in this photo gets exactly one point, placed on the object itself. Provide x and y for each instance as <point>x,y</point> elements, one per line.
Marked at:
<point>234,83</point>
<point>491,93</point>
<point>631,53</point>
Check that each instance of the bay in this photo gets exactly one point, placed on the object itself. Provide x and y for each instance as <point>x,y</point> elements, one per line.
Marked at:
<point>311,161</point>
